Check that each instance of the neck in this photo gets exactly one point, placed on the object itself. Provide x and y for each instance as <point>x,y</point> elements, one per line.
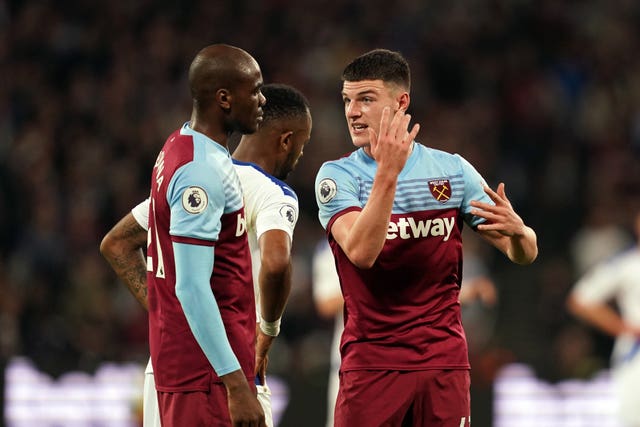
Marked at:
<point>250,151</point>
<point>209,128</point>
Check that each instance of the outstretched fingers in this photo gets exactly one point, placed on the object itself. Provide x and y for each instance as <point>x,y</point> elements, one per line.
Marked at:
<point>499,196</point>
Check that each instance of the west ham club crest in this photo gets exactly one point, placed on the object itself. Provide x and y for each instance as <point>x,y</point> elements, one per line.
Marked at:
<point>440,189</point>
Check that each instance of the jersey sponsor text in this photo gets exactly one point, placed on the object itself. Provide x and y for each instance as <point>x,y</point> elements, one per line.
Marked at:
<point>408,228</point>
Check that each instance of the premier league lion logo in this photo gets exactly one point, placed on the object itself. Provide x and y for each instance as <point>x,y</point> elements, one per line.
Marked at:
<point>194,200</point>
<point>327,190</point>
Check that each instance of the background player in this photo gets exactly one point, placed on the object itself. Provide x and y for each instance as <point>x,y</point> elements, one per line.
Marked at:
<point>262,160</point>
<point>393,212</point>
<point>329,303</point>
<point>616,280</point>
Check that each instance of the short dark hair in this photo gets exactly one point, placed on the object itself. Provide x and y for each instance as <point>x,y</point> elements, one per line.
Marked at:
<point>379,64</point>
<point>283,101</point>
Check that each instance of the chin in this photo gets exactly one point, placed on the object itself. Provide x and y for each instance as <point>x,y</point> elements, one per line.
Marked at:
<point>360,141</point>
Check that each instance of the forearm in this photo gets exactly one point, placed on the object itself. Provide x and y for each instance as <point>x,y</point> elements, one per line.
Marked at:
<point>523,249</point>
<point>275,287</point>
<point>363,239</point>
<point>194,265</point>
<point>121,247</point>
<point>274,279</point>
<point>601,316</point>
<point>132,270</point>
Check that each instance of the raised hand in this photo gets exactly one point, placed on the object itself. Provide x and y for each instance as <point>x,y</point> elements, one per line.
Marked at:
<point>392,145</point>
<point>504,228</point>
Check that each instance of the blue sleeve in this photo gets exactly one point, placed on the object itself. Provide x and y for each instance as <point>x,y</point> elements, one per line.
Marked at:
<point>336,190</point>
<point>473,190</point>
<point>197,199</point>
<point>194,265</point>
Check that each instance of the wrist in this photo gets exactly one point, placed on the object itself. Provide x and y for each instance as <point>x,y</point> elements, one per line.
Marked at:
<point>271,329</point>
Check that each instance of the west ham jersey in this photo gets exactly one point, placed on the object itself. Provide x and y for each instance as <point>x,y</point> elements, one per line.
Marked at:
<point>196,198</point>
<point>269,204</point>
<point>404,313</point>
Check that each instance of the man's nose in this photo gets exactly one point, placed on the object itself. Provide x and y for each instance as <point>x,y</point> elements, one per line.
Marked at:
<point>353,109</point>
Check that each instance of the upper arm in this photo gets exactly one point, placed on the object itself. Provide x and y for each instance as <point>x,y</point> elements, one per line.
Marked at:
<point>126,236</point>
<point>336,190</point>
<point>275,250</point>
<point>197,200</point>
<point>342,225</point>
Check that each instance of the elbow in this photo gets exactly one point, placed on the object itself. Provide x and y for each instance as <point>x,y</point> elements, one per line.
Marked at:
<point>523,254</point>
<point>107,246</point>
<point>573,305</point>
<point>362,259</point>
<point>276,264</point>
<point>532,257</point>
<point>527,260</point>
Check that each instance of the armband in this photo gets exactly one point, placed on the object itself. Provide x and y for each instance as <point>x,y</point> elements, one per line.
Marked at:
<point>270,328</point>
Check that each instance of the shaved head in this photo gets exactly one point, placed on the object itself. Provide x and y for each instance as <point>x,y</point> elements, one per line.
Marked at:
<point>215,67</point>
<point>225,84</point>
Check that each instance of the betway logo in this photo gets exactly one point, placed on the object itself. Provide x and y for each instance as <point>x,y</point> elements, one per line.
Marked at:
<point>407,228</point>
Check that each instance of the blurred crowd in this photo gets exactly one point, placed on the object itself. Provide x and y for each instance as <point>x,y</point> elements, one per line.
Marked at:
<point>540,94</point>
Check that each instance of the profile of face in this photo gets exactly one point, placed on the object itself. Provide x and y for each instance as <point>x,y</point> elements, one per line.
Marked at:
<point>363,104</point>
<point>247,101</point>
<point>298,140</point>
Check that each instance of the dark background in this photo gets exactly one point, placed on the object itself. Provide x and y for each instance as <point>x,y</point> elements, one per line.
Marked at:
<point>543,95</point>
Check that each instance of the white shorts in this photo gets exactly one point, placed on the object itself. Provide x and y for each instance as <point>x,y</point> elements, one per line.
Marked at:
<point>151,413</point>
<point>626,379</point>
<point>626,376</point>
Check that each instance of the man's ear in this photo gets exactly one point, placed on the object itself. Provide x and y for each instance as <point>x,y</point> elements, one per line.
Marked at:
<point>403,101</point>
<point>285,140</point>
<point>223,98</point>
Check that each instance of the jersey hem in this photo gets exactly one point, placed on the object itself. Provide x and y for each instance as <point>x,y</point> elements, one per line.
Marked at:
<point>192,241</point>
<point>407,368</point>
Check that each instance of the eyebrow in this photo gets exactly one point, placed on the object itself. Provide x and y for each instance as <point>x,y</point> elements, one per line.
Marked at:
<point>364,92</point>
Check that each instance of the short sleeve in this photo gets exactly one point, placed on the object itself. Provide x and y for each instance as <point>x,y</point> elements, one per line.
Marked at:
<point>196,198</point>
<point>141,214</point>
<point>473,190</point>
<point>280,214</point>
<point>336,190</point>
<point>598,285</point>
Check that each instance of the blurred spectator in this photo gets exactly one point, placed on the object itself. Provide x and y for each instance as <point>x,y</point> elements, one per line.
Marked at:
<point>616,280</point>
<point>329,303</point>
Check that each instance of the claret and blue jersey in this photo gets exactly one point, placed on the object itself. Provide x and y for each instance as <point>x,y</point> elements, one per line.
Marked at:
<point>404,313</point>
<point>196,198</point>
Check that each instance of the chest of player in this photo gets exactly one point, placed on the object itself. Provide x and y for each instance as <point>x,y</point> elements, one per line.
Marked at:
<point>416,194</point>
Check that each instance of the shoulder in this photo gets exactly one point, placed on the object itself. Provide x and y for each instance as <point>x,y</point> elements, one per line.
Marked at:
<point>442,157</point>
<point>629,256</point>
<point>255,180</point>
<point>355,160</point>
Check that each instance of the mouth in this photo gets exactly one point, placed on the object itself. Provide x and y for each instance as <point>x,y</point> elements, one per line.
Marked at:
<point>358,128</point>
